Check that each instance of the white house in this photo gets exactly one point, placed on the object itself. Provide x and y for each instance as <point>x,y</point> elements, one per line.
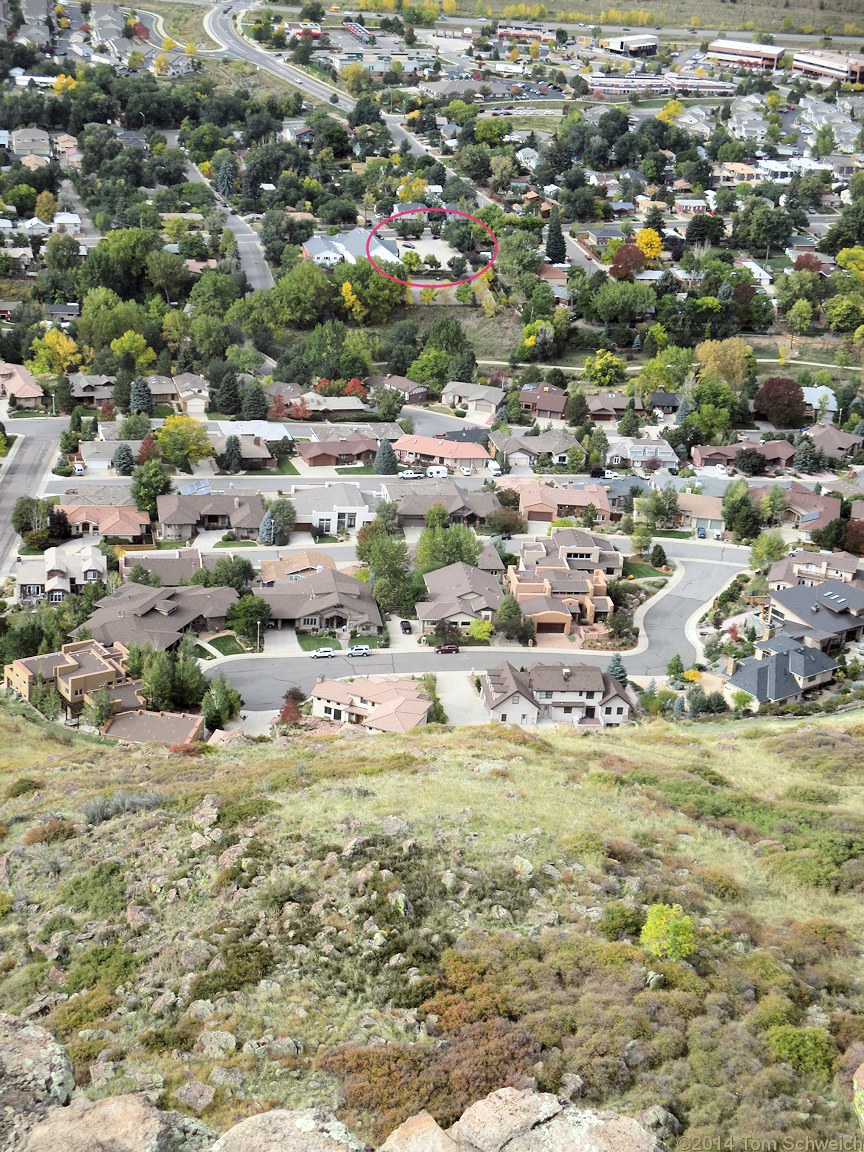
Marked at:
<point>576,694</point>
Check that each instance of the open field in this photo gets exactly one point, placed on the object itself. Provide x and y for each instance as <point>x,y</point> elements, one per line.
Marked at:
<point>183,22</point>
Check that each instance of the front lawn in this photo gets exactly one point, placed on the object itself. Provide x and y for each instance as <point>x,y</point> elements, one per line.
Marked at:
<point>201,653</point>
<point>357,470</point>
<point>286,468</point>
<point>673,534</point>
<point>309,643</point>
<point>639,569</point>
<point>234,544</point>
<point>227,645</point>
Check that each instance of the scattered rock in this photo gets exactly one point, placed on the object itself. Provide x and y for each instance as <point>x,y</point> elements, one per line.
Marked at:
<point>308,1130</point>
<point>117,1124</point>
<point>401,903</point>
<point>395,826</point>
<point>215,1044</point>
<point>195,954</point>
<point>201,1010</point>
<point>502,1116</point>
<point>196,1096</point>
<point>162,1003</point>
<point>226,1077</point>
<point>661,1122</point>
<point>207,813</point>
<point>523,868</point>
<point>572,1086</point>
<point>138,917</point>
<point>35,1073</point>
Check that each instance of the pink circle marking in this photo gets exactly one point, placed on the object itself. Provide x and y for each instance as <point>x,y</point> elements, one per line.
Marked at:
<point>446,211</point>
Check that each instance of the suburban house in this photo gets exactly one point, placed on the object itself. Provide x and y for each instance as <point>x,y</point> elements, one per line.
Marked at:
<point>577,694</point>
<point>163,389</point>
<point>636,452</point>
<point>349,247</point>
<point>30,142</point>
<point>58,573</point>
<point>143,727</point>
<point>490,561</point>
<point>139,614</point>
<point>183,517</point>
<point>329,453</point>
<point>77,670</point>
<point>413,501</point>
<point>836,443</point>
<point>171,567</point>
<point>410,391</point>
<point>820,404</point>
<point>665,402</point>
<point>316,405</point>
<point>477,399</point>
<point>294,565</point>
<point>812,568</point>
<point>119,522</point>
<point>378,703</point>
<point>543,401</point>
<point>541,502</point>
<point>780,672</point>
<point>19,386</point>
<point>90,388</point>
<point>321,601</point>
<point>331,508</point>
<point>254,451</point>
<point>828,616</point>
<point>561,582</point>
<point>458,594</point>
<point>701,512</point>
<point>96,455</point>
<point>609,407</point>
<point>523,450</point>
<point>805,510</point>
<point>776,453</point>
<point>426,450</point>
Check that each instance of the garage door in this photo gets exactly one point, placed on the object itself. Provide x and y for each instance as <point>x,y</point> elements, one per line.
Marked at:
<point>550,627</point>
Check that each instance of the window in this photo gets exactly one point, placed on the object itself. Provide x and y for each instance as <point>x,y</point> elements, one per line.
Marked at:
<point>56,597</point>
<point>568,709</point>
<point>517,699</point>
<point>503,717</point>
<point>589,695</point>
<point>544,695</point>
<point>619,711</point>
<point>309,621</point>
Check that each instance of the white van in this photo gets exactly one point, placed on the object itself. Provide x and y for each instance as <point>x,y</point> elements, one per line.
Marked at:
<point>493,467</point>
<point>436,471</point>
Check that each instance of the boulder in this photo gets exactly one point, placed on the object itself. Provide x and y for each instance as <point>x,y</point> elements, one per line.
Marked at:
<point>215,1044</point>
<point>35,1073</point>
<point>489,1124</point>
<point>117,1124</point>
<point>421,1133</point>
<point>306,1130</point>
<point>196,1096</point>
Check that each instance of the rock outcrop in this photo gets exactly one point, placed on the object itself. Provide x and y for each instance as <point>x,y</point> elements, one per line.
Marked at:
<point>35,1074</point>
<point>306,1130</point>
<point>117,1124</point>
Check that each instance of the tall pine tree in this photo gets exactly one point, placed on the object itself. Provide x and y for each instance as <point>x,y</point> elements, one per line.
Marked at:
<point>616,669</point>
<point>141,398</point>
<point>254,405</point>
<point>232,457</point>
<point>123,462</point>
<point>227,396</point>
<point>556,247</point>
<point>385,460</point>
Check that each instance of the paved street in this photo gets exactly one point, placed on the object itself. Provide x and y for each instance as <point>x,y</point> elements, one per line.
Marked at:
<point>22,475</point>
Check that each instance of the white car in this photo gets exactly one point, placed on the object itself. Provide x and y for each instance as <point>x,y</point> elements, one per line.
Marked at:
<point>321,653</point>
<point>465,471</point>
<point>721,468</point>
<point>359,650</point>
<point>410,476</point>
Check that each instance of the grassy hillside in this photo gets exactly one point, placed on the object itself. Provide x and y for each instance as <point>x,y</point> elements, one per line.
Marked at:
<point>405,922</point>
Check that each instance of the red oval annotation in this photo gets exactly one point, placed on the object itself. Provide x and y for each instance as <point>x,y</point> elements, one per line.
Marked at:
<point>437,211</point>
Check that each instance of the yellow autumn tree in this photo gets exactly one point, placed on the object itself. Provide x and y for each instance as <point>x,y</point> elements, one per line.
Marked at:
<point>851,259</point>
<point>649,243</point>
<point>190,49</point>
<point>160,64</point>
<point>351,301</point>
<point>169,44</point>
<point>46,206</point>
<point>53,354</point>
<point>64,83</point>
<point>412,188</point>
<point>670,111</point>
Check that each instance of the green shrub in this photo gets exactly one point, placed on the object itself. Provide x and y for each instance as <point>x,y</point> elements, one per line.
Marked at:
<point>182,1034</point>
<point>59,922</point>
<point>719,884</point>
<point>805,794</point>
<point>6,902</point>
<point>244,963</point>
<point>668,933</point>
<point>22,786</point>
<point>810,1051</point>
<point>581,844</point>
<point>618,920</point>
<point>82,1012</point>
<point>101,891</point>
<point>244,811</point>
<point>107,967</point>
<point>773,1011</point>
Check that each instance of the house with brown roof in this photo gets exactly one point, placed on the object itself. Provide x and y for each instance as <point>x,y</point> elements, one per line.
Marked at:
<point>172,567</point>
<point>701,512</point>
<point>330,453</point>
<point>539,501</point>
<point>458,594</point>
<point>139,614</point>
<point>828,616</point>
<point>294,565</point>
<point>378,703</point>
<point>543,401</point>
<point>144,727</point>
<point>163,389</point>
<point>805,510</point>
<point>609,407</point>
<point>123,522</point>
<point>836,443</point>
<point>58,573</point>
<point>19,386</point>
<point>414,499</point>
<point>577,694</point>
<point>320,601</point>
<point>777,454</point>
<point>562,582</point>
<point>91,388</point>
<point>426,450</point>
<point>479,400</point>
<point>183,517</point>
<point>529,450</point>
<point>814,568</point>
<point>410,390</point>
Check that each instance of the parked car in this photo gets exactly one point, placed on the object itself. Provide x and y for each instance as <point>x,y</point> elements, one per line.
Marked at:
<point>405,625</point>
<point>718,535</point>
<point>321,653</point>
<point>447,648</point>
<point>465,471</point>
<point>700,532</point>
<point>410,476</point>
<point>405,244</point>
<point>359,650</point>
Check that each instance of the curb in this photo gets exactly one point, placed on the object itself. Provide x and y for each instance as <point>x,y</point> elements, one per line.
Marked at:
<point>20,437</point>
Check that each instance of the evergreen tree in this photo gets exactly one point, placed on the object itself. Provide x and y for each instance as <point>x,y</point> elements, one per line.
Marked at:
<point>221,703</point>
<point>254,406</point>
<point>227,396</point>
<point>675,668</point>
<point>556,247</point>
<point>576,408</point>
<point>629,424</point>
<point>658,557</point>
<point>267,531</point>
<point>232,457</point>
<point>806,458</point>
<point>284,518</point>
<point>463,365</point>
<point>189,682</point>
<point>616,669</point>
<point>141,398</point>
<point>75,420</point>
<point>158,682</point>
<point>385,460</point>
<point>225,175</point>
<point>678,708</point>
<point>508,618</point>
<point>123,462</point>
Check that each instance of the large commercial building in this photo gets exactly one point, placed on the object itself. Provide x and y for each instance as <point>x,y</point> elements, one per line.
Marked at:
<point>742,54</point>
<point>526,32</point>
<point>829,66</point>
<point>630,45</point>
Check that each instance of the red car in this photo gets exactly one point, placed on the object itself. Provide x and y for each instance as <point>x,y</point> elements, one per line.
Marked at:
<point>447,648</point>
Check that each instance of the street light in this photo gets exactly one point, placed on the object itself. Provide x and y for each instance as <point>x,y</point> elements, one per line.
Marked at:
<point>258,645</point>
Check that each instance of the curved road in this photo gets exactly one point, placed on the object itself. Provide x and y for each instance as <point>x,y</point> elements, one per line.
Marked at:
<point>263,681</point>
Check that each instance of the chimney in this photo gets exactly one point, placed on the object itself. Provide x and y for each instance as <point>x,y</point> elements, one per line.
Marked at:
<point>256,439</point>
<point>565,672</point>
<point>236,501</point>
<point>731,665</point>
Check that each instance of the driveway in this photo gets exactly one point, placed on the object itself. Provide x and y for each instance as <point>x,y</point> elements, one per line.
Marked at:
<point>459,699</point>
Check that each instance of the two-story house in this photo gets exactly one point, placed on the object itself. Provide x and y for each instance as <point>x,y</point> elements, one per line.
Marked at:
<point>58,573</point>
<point>577,694</point>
